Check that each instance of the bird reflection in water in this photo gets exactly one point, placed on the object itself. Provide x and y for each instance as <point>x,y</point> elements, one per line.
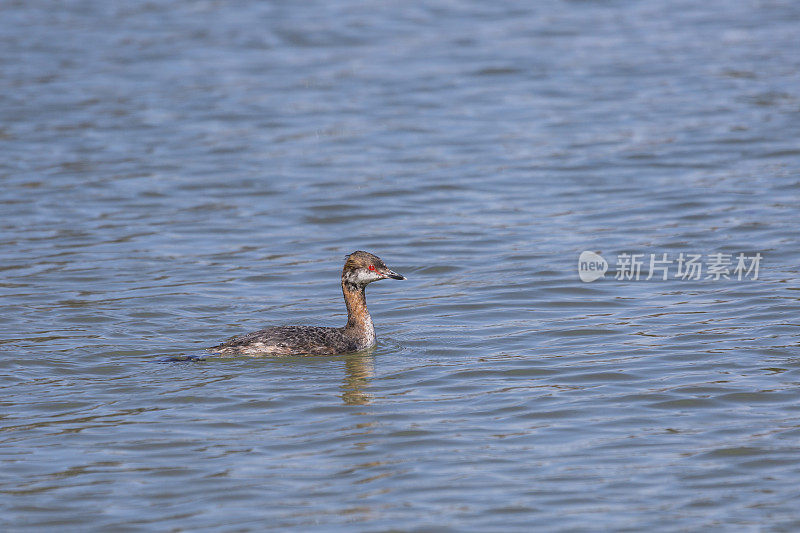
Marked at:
<point>359,368</point>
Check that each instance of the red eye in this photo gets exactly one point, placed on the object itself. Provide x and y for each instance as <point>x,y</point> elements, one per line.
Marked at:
<point>372,267</point>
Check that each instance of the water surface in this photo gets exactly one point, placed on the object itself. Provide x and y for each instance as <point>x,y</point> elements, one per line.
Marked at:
<point>177,172</point>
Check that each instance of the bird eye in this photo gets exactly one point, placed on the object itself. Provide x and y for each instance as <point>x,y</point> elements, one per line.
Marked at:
<point>372,267</point>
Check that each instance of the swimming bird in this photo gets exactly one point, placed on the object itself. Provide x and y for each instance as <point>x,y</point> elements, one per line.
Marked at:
<point>360,269</point>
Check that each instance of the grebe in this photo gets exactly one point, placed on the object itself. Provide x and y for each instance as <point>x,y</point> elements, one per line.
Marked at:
<point>360,269</point>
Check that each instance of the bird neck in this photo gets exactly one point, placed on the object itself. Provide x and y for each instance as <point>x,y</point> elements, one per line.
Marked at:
<point>358,319</point>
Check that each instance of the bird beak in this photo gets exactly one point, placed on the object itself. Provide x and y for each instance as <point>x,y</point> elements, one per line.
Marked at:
<point>394,275</point>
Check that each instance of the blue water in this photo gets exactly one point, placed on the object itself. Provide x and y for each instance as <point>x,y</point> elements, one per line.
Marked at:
<point>174,173</point>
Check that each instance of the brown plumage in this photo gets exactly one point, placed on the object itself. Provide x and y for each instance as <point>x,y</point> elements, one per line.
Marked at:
<point>360,269</point>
